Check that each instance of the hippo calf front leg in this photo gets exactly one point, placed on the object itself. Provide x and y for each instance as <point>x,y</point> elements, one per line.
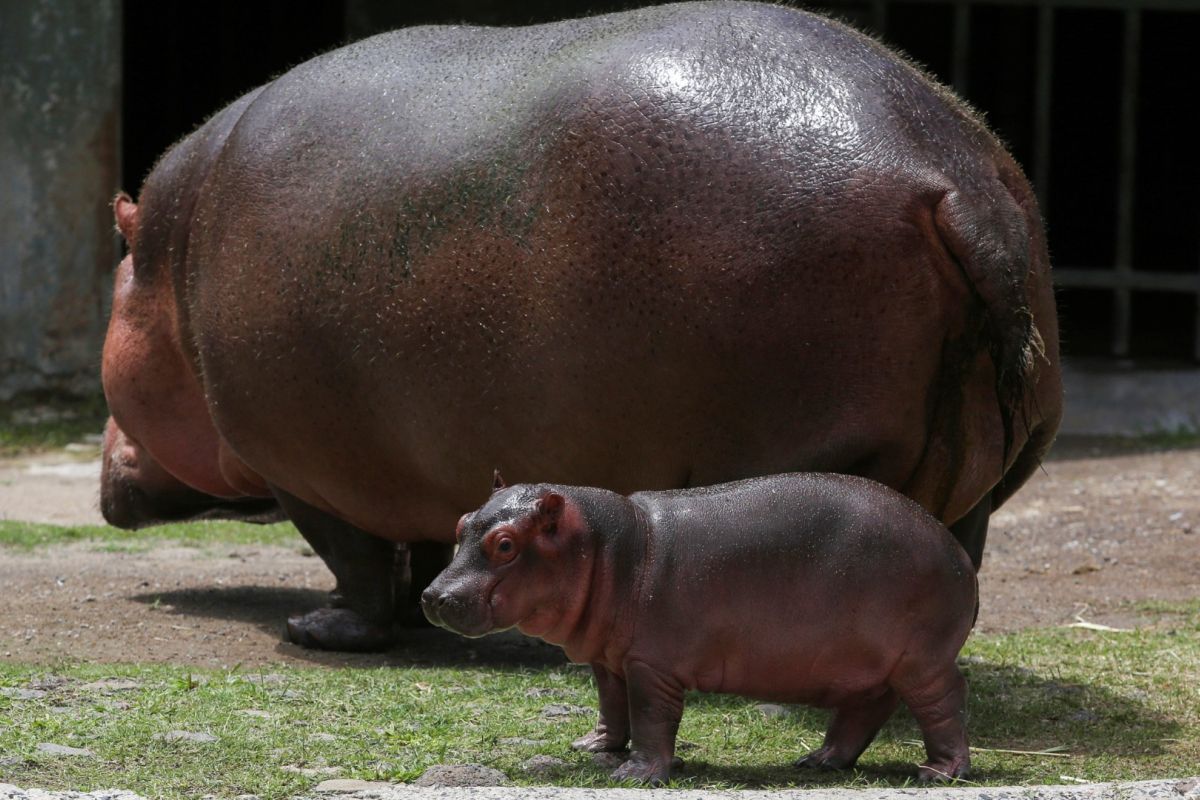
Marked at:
<point>655,710</point>
<point>611,733</point>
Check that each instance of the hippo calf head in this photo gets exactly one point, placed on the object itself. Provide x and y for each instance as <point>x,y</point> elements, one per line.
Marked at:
<point>518,560</point>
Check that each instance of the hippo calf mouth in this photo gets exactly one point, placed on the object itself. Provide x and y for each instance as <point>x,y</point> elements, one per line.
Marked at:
<point>455,613</point>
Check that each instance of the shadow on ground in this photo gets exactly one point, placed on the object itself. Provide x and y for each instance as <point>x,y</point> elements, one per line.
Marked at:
<point>268,607</point>
<point>1011,708</point>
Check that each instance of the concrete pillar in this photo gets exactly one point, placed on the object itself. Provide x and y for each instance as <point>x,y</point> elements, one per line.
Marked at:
<point>60,95</point>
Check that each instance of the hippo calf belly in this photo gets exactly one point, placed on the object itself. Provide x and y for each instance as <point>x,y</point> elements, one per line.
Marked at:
<point>823,589</point>
<point>809,588</point>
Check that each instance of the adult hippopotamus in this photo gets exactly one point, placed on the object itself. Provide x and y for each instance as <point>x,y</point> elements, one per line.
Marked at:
<point>664,248</point>
<point>823,589</point>
<point>137,491</point>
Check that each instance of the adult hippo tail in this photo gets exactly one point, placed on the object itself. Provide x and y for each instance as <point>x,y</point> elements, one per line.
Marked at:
<point>671,247</point>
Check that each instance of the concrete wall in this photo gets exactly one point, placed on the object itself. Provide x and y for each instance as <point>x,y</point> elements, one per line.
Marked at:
<point>60,79</point>
<point>1112,398</point>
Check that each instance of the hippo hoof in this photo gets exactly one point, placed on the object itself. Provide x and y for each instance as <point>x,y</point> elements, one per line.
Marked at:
<point>339,629</point>
<point>598,742</point>
<point>651,773</point>
<point>942,772</point>
<point>824,759</point>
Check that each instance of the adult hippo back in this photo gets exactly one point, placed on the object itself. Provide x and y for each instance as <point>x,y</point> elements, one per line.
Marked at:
<point>671,247</point>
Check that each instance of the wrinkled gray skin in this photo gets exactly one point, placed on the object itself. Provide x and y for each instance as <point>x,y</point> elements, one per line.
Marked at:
<point>822,589</point>
<point>671,247</point>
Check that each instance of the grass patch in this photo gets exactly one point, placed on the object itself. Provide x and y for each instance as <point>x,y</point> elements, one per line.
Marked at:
<point>29,536</point>
<point>31,424</point>
<point>1074,447</point>
<point>1112,706</point>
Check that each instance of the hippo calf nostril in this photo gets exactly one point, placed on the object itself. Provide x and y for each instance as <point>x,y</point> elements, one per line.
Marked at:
<point>431,598</point>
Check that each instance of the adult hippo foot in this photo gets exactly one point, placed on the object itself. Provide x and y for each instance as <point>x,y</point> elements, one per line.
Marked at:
<point>824,758</point>
<point>339,629</point>
<point>943,772</point>
<point>650,771</point>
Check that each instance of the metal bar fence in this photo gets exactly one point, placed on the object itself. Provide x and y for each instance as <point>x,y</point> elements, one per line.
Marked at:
<point>1120,278</point>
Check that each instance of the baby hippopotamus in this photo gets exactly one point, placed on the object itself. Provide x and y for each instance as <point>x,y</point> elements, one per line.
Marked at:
<point>813,588</point>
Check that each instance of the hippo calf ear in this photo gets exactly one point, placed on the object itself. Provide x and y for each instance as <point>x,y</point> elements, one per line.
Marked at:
<point>126,212</point>
<point>550,505</point>
<point>498,481</point>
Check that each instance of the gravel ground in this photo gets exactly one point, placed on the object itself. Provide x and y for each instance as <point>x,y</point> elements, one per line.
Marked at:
<point>1101,530</point>
<point>1104,528</point>
<point>1144,790</point>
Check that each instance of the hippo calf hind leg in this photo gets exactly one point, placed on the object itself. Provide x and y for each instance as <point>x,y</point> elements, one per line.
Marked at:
<point>940,708</point>
<point>852,729</point>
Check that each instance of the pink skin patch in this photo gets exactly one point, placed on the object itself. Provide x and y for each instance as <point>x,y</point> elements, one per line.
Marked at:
<point>153,395</point>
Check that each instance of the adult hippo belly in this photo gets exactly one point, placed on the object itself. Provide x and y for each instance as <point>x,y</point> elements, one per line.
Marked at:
<point>671,247</point>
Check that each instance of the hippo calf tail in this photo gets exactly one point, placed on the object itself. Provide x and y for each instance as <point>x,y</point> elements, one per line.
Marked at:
<point>989,236</point>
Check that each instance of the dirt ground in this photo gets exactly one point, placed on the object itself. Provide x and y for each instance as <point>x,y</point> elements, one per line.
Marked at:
<point>1103,527</point>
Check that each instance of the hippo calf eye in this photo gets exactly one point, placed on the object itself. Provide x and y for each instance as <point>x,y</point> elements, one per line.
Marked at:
<point>499,546</point>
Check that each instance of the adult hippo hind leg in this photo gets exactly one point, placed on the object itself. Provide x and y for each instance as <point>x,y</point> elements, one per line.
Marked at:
<point>971,530</point>
<point>372,583</point>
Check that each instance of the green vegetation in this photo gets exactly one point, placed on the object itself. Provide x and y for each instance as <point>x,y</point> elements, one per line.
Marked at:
<point>1073,447</point>
<point>32,424</point>
<point>25,536</point>
<point>1181,437</point>
<point>1084,705</point>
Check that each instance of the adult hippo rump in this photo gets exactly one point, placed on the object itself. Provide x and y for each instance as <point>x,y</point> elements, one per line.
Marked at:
<point>672,247</point>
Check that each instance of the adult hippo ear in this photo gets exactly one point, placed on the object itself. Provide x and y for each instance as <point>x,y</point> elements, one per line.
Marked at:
<point>126,213</point>
<point>498,481</point>
<point>153,390</point>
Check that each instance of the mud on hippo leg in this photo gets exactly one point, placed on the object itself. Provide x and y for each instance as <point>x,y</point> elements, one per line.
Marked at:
<point>852,729</point>
<point>655,710</point>
<point>372,578</point>
<point>611,733</point>
<point>971,530</point>
<point>940,710</point>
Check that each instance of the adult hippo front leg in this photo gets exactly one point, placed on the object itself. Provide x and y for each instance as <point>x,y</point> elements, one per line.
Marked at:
<point>372,583</point>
